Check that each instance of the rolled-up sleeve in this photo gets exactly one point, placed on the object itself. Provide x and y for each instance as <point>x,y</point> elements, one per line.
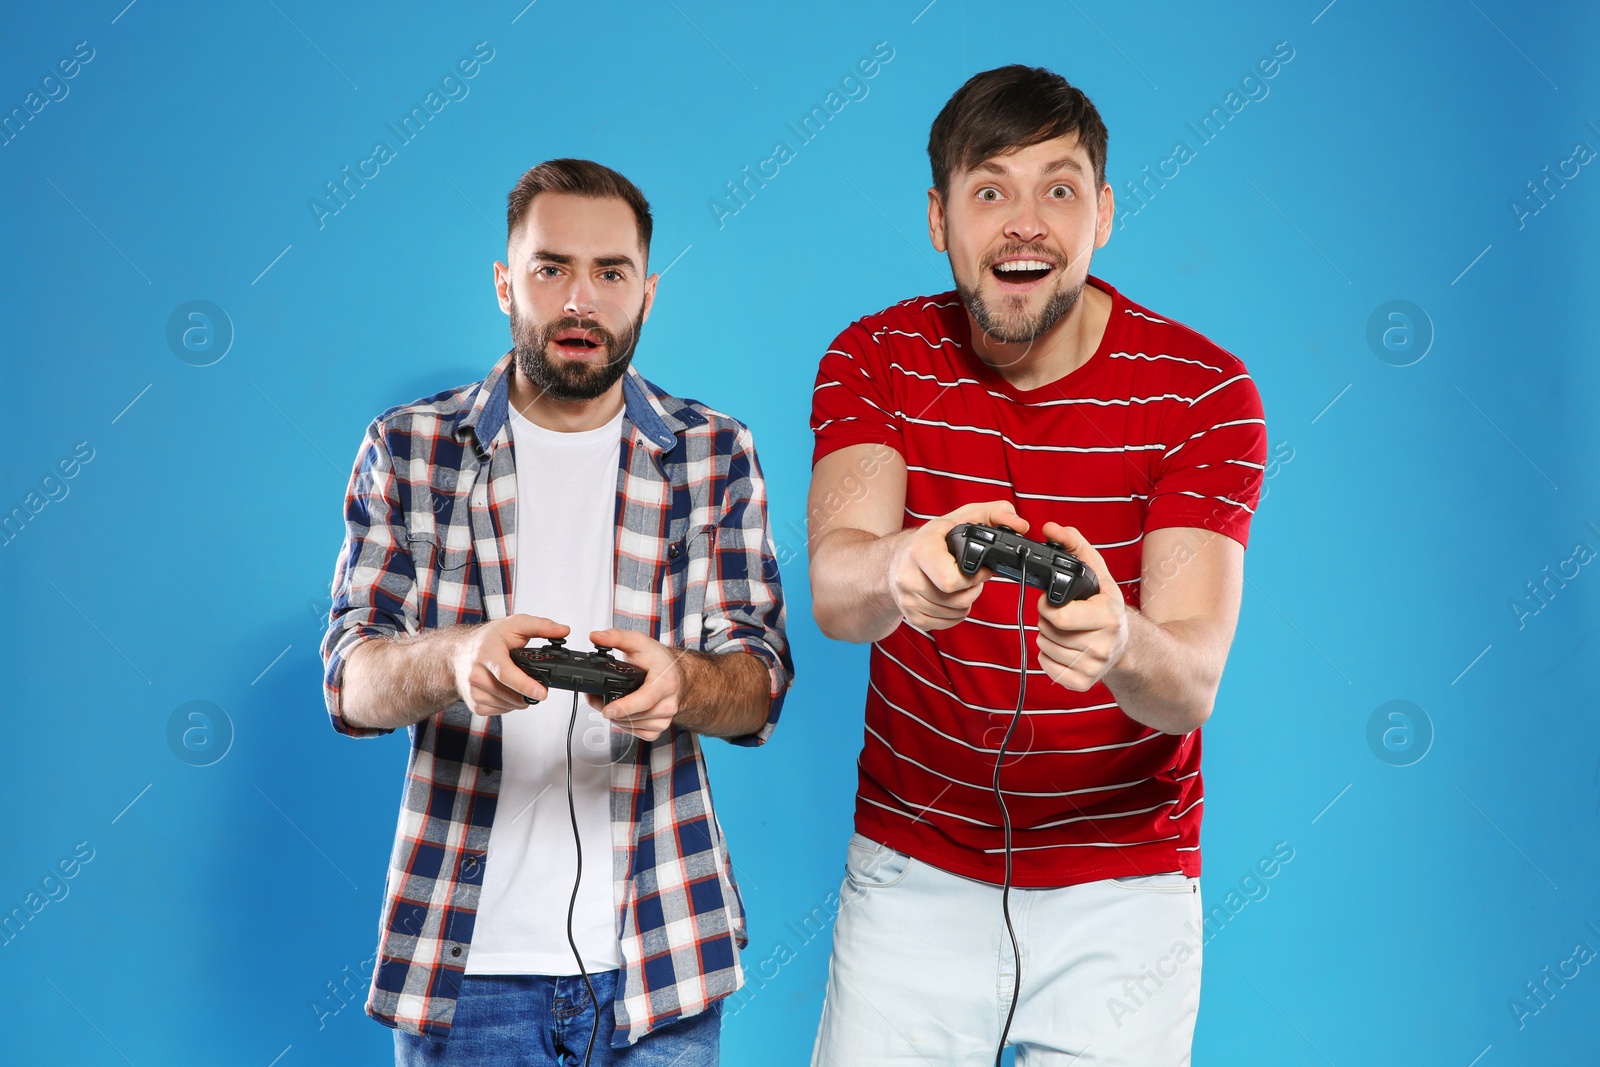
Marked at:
<point>744,609</point>
<point>374,581</point>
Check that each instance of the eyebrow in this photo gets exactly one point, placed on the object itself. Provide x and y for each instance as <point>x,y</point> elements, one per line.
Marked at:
<point>1066,163</point>
<point>563,258</point>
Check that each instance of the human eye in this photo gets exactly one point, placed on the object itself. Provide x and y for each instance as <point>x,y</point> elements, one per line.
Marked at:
<point>989,194</point>
<point>1061,192</point>
<point>551,268</point>
<point>611,274</point>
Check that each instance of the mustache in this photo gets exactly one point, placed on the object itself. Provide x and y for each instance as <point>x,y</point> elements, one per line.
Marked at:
<point>1023,251</point>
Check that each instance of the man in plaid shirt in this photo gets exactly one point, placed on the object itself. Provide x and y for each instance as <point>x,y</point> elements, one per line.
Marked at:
<point>638,519</point>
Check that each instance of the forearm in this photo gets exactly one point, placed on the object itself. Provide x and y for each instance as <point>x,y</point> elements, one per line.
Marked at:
<point>392,682</point>
<point>1168,673</point>
<point>851,595</point>
<point>725,694</point>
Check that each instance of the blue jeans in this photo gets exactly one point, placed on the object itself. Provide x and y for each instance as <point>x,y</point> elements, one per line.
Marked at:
<point>516,1020</point>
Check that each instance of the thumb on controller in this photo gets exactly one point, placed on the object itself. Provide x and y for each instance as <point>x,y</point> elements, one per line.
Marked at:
<point>524,627</point>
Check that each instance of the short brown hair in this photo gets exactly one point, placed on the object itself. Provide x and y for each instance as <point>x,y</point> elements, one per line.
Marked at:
<point>581,177</point>
<point>1012,107</point>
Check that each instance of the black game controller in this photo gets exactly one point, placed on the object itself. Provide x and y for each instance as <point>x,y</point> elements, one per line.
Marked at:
<point>558,667</point>
<point>1050,567</point>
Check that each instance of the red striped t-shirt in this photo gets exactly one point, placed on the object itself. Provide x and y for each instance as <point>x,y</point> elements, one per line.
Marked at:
<point>1159,427</point>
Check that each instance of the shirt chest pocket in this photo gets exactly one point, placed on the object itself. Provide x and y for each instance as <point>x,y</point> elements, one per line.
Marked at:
<point>445,592</point>
<point>685,570</point>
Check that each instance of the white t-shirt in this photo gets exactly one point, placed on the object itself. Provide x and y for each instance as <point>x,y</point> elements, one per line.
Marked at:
<point>566,525</point>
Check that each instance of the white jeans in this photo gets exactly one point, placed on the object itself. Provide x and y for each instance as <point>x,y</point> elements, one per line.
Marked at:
<point>922,969</point>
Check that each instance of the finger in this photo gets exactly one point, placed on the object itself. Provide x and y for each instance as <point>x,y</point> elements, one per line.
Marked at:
<point>923,621</point>
<point>939,577</point>
<point>1067,678</point>
<point>645,731</point>
<point>1076,616</point>
<point>530,626</point>
<point>1087,659</point>
<point>508,676</point>
<point>918,605</point>
<point>991,513</point>
<point>638,702</point>
<point>621,640</point>
<point>623,717</point>
<point>1087,663</point>
<point>939,565</point>
<point>945,607</point>
<point>1077,544</point>
<point>933,566</point>
<point>490,698</point>
<point>500,693</point>
<point>1074,656</point>
<point>943,575</point>
<point>1072,539</point>
<point>648,726</point>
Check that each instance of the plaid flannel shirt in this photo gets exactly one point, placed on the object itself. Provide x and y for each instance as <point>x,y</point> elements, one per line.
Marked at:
<point>430,520</point>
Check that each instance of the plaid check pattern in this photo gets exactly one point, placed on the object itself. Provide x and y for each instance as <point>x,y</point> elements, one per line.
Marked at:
<point>430,518</point>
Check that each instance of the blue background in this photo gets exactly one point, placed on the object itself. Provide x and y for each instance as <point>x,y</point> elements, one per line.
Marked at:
<point>190,558</point>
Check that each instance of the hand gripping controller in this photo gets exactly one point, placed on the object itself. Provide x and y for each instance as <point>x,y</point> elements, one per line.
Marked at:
<point>558,667</point>
<point>1049,566</point>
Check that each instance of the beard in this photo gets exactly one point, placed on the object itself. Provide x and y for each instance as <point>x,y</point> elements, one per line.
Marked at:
<point>1008,320</point>
<point>564,379</point>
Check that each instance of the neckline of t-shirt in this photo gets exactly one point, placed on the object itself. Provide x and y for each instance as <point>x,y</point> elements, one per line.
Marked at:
<point>993,379</point>
<point>610,431</point>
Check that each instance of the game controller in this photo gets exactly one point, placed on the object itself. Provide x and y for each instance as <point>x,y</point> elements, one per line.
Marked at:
<point>1044,565</point>
<point>556,666</point>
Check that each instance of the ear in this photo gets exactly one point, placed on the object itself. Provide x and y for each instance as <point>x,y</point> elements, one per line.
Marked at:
<point>1105,212</point>
<point>649,296</point>
<point>502,285</point>
<point>936,224</point>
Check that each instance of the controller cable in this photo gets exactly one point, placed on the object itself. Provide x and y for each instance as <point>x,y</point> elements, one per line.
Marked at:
<point>577,879</point>
<point>1005,815</point>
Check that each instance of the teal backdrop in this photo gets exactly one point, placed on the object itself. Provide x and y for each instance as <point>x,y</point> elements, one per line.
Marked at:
<point>1396,231</point>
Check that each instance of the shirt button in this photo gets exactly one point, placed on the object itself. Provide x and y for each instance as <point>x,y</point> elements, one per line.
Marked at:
<point>456,951</point>
<point>673,550</point>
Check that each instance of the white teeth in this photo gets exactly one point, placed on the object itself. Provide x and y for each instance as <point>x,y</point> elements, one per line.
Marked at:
<point>1023,264</point>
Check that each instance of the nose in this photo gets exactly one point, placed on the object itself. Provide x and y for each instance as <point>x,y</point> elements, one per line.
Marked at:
<point>1026,224</point>
<point>580,299</point>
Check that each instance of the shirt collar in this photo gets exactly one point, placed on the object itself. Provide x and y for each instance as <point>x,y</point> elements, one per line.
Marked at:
<point>657,416</point>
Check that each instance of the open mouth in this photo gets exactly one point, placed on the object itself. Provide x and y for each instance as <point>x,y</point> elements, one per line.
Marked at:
<point>1021,272</point>
<point>577,342</point>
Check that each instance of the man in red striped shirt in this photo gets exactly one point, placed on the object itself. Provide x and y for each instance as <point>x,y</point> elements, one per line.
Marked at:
<point>1039,397</point>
